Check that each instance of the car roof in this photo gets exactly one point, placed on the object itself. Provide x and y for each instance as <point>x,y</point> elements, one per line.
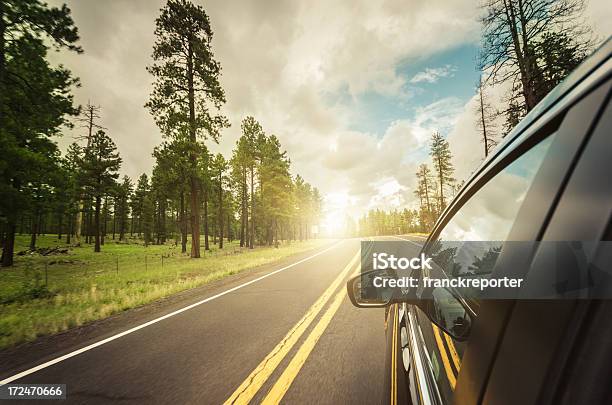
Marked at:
<point>585,70</point>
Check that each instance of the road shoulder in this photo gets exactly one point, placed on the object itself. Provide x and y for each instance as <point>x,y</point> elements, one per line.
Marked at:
<point>45,348</point>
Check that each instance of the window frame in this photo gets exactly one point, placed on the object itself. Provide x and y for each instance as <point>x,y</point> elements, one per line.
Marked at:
<point>475,370</point>
<point>539,127</point>
<point>550,182</point>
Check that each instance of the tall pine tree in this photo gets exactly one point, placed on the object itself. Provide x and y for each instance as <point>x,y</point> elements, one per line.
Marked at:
<point>34,101</point>
<point>443,167</point>
<point>99,171</point>
<point>187,94</point>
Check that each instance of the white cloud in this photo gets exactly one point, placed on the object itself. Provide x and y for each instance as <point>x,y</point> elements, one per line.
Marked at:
<point>280,61</point>
<point>431,75</point>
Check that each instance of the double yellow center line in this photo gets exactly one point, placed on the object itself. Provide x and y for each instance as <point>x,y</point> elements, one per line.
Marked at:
<point>395,317</point>
<point>258,377</point>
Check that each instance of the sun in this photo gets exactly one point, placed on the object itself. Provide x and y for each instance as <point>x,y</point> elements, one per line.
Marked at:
<point>333,222</point>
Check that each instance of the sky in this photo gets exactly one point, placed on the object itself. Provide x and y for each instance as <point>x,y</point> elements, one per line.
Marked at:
<point>353,89</point>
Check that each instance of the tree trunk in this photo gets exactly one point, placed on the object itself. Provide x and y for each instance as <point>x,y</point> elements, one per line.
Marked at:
<point>522,57</point>
<point>162,220</point>
<point>206,243</point>
<point>484,124</point>
<point>275,232</point>
<point>158,223</point>
<point>97,223</point>
<point>34,230</point>
<point>2,71</point>
<point>60,225</point>
<point>195,201</point>
<point>139,221</point>
<point>84,224</point>
<point>243,216</point>
<point>220,209</point>
<point>230,233</point>
<point>89,226</point>
<point>183,224</point>
<point>531,64</point>
<point>441,184</point>
<point>252,235</point>
<point>78,223</point>
<point>247,231</point>
<point>426,184</point>
<point>104,221</point>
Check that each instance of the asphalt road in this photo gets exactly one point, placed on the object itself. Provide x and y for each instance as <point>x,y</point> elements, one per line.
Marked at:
<point>289,335</point>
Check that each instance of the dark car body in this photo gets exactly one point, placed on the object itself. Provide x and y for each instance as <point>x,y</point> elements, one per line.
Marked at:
<point>525,351</point>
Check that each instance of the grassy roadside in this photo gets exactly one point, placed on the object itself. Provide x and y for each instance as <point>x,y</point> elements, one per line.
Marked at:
<point>48,294</point>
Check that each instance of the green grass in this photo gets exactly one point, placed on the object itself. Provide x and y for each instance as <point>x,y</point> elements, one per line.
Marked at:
<point>43,295</point>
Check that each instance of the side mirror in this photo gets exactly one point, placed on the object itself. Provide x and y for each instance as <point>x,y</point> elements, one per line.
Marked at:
<point>448,312</point>
<point>364,294</point>
<point>371,289</point>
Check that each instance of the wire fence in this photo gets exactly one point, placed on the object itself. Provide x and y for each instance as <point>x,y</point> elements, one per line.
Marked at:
<point>39,277</point>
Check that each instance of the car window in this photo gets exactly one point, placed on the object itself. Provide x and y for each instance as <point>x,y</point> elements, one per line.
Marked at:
<point>487,217</point>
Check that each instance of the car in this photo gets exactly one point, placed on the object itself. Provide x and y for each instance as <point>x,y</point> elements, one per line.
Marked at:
<point>550,180</point>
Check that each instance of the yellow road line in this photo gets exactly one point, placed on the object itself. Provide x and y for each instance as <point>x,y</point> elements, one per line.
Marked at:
<point>453,351</point>
<point>249,387</point>
<point>394,357</point>
<point>288,376</point>
<point>447,367</point>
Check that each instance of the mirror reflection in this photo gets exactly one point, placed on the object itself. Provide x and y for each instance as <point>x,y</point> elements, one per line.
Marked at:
<point>449,313</point>
<point>368,292</point>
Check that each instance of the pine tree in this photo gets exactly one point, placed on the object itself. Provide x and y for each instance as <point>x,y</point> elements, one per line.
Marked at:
<point>424,191</point>
<point>485,120</point>
<point>148,212</point>
<point>71,190</point>
<point>252,132</point>
<point>138,201</point>
<point>28,28</point>
<point>219,167</point>
<point>171,171</point>
<point>513,32</point>
<point>187,88</point>
<point>275,185</point>
<point>441,156</point>
<point>122,207</point>
<point>99,171</point>
<point>240,163</point>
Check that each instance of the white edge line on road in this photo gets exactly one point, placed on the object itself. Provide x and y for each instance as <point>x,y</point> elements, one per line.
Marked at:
<point>161,318</point>
<point>407,240</point>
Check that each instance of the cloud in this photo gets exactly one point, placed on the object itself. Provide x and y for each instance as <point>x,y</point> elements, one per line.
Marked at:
<point>431,75</point>
<point>280,62</point>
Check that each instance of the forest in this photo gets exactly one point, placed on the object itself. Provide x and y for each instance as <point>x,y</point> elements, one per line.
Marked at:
<point>190,197</point>
<point>193,197</point>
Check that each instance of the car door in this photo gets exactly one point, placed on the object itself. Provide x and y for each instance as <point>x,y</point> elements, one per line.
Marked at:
<point>551,333</point>
<point>488,216</point>
<point>511,204</point>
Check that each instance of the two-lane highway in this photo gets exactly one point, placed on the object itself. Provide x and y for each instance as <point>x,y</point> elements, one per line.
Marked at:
<point>287,333</point>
